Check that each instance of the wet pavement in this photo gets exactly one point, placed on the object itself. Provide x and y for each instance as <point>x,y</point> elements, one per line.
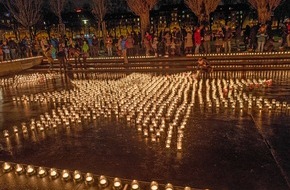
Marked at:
<point>206,142</point>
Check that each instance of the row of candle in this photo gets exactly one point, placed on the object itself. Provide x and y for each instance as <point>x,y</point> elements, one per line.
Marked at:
<point>76,176</point>
<point>242,53</point>
<point>27,80</point>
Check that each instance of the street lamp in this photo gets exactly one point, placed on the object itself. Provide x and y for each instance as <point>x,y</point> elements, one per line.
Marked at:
<point>85,21</point>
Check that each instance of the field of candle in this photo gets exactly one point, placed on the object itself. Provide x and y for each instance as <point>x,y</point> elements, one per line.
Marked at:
<point>227,130</point>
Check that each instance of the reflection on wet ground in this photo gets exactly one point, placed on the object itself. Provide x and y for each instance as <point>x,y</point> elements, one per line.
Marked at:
<point>229,130</point>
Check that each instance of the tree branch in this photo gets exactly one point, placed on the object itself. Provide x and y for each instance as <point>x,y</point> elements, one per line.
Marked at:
<point>26,12</point>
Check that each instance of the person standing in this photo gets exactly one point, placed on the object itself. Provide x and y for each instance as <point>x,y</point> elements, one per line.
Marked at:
<point>261,38</point>
<point>288,36</point>
<point>253,37</point>
<point>136,43</point>
<point>81,40</point>
<point>109,45</point>
<point>61,56</point>
<point>71,43</point>
<point>167,41</point>
<point>228,39</point>
<point>48,55</point>
<point>155,46</point>
<point>172,47</point>
<point>219,42</point>
<point>247,37</point>
<point>124,49</point>
<point>13,46</point>
<point>197,40</point>
<point>188,42</point>
<point>6,51</point>
<point>238,37</point>
<point>90,44</point>
<point>94,47</point>
<point>85,53</point>
<point>119,45</point>
<point>207,40</point>
<point>130,45</point>
<point>147,43</point>
<point>176,36</point>
<point>53,52</point>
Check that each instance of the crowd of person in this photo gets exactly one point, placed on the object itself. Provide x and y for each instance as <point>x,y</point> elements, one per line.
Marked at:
<point>202,40</point>
<point>11,49</point>
<point>169,42</point>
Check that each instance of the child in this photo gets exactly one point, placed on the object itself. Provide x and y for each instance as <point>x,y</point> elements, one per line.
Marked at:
<point>203,65</point>
<point>85,52</point>
<point>155,46</point>
<point>48,54</point>
<point>53,52</point>
<point>6,51</point>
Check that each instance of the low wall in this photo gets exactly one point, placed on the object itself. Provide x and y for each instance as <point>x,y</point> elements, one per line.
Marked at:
<point>15,66</point>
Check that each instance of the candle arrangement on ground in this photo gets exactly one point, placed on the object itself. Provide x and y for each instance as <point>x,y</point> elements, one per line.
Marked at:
<point>24,81</point>
<point>158,106</point>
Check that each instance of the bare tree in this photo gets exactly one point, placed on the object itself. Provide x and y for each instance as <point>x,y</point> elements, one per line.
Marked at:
<point>142,8</point>
<point>99,9</point>
<point>202,8</point>
<point>264,8</point>
<point>196,6</point>
<point>209,7</point>
<point>26,12</point>
<point>57,7</point>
